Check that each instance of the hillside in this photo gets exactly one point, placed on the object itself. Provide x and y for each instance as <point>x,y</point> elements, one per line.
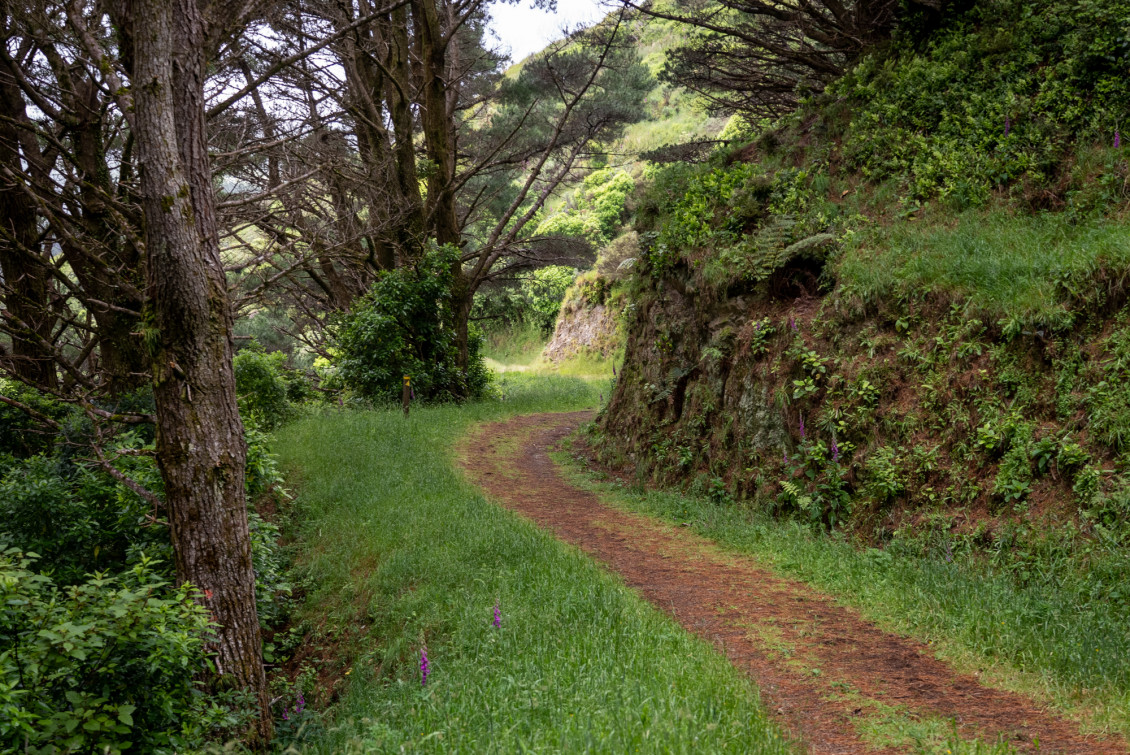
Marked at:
<point>902,311</point>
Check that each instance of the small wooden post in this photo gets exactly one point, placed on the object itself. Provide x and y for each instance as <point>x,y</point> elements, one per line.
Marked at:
<point>407,393</point>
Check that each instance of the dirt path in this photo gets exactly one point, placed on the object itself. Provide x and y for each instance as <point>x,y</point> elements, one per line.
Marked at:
<point>824,670</point>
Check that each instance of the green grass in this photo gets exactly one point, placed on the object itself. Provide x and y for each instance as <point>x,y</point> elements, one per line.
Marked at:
<point>1010,266</point>
<point>519,349</point>
<point>519,345</point>
<point>399,550</point>
<point>1056,640</point>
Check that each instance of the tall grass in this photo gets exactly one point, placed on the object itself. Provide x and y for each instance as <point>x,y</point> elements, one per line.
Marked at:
<point>1012,266</point>
<point>401,551</point>
<point>1055,639</point>
<point>510,345</point>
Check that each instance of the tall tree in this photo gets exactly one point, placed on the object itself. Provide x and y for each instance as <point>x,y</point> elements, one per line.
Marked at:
<point>422,98</point>
<point>109,283</point>
<point>200,445</point>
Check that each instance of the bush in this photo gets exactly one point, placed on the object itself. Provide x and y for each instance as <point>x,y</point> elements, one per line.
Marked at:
<point>77,519</point>
<point>104,666</point>
<point>599,207</point>
<point>261,388</point>
<point>998,97</point>
<point>20,435</point>
<point>406,325</point>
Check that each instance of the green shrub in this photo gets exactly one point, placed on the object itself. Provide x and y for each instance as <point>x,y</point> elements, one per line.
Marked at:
<point>77,519</point>
<point>534,300</point>
<point>260,387</point>
<point>995,98</point>
<point>103,666</point>
<point>405,325</point>
<point>20,435</point>
<point>598,208</point>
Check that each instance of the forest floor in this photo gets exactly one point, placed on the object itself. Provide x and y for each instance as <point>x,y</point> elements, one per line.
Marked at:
<point>835,680</point>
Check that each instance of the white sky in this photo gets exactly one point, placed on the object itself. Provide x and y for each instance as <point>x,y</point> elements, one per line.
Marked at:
<point>526,30</point>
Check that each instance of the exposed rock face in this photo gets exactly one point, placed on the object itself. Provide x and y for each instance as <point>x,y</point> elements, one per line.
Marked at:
<point>582,328</point>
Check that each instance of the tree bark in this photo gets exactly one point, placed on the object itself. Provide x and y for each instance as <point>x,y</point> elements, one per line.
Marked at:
<point>439,130</point>
<point>200,445</point>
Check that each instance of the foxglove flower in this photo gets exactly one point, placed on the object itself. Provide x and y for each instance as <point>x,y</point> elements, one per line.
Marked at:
<point>1007,125</point>
<point>300,704</point>
<point>497,616</point>
<point>424,666</point>
<point>1117,139</point>
<point>835,451</point>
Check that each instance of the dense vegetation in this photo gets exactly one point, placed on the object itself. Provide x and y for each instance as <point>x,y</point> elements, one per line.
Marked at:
<point>893,308</point>
<point>102,651</point>
<point>902,310</point>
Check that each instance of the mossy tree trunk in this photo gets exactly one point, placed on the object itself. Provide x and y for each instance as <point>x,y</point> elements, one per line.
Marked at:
<point>200,446</point>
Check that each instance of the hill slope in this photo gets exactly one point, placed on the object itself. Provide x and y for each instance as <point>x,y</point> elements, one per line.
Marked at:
<point>903,310</point>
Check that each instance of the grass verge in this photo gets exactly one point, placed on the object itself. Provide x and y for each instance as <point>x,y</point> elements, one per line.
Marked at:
<point>400,552</point>
<point>1013,266</point>
<point>1049,641</point>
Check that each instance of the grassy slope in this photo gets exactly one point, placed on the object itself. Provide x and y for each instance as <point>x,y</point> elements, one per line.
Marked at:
<point>519,348</point>
<point>1056,643</point>
<point>400,551</point>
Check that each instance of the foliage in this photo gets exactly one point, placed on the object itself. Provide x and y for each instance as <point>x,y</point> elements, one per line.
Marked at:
<point>20,434</point>
<point>260,387</point>
<point>597,209</point>
<point>106,665</point>
<point>999,95</point>
<point>534,300</point>
<point>77,519</point>
<point>98,621</point>
<point>405,326</point>
<point>758,57</point>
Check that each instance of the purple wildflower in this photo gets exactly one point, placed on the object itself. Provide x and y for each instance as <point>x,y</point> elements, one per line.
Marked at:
<point>786,455</point>
<point>424,666</point>
<point>792,324</point>
<point>497,615</point>
<point>613,370</point>
<point>1007,125</point>
<point>412,393</point>
<point>286,717</point>
<point>300,704</point>
<point>835,451</point>
<point>1117,139</point>
<point>802,427</point>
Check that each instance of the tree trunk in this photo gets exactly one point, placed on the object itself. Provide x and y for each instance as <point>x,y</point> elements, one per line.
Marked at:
<point>439,129</point>
<point>462,299</point>
<point>200,446</point>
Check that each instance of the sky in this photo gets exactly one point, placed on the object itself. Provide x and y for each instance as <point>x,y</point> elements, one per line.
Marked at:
<point>525,30</point>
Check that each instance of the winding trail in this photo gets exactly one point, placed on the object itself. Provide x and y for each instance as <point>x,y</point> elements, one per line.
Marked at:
<point>820,666</point>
